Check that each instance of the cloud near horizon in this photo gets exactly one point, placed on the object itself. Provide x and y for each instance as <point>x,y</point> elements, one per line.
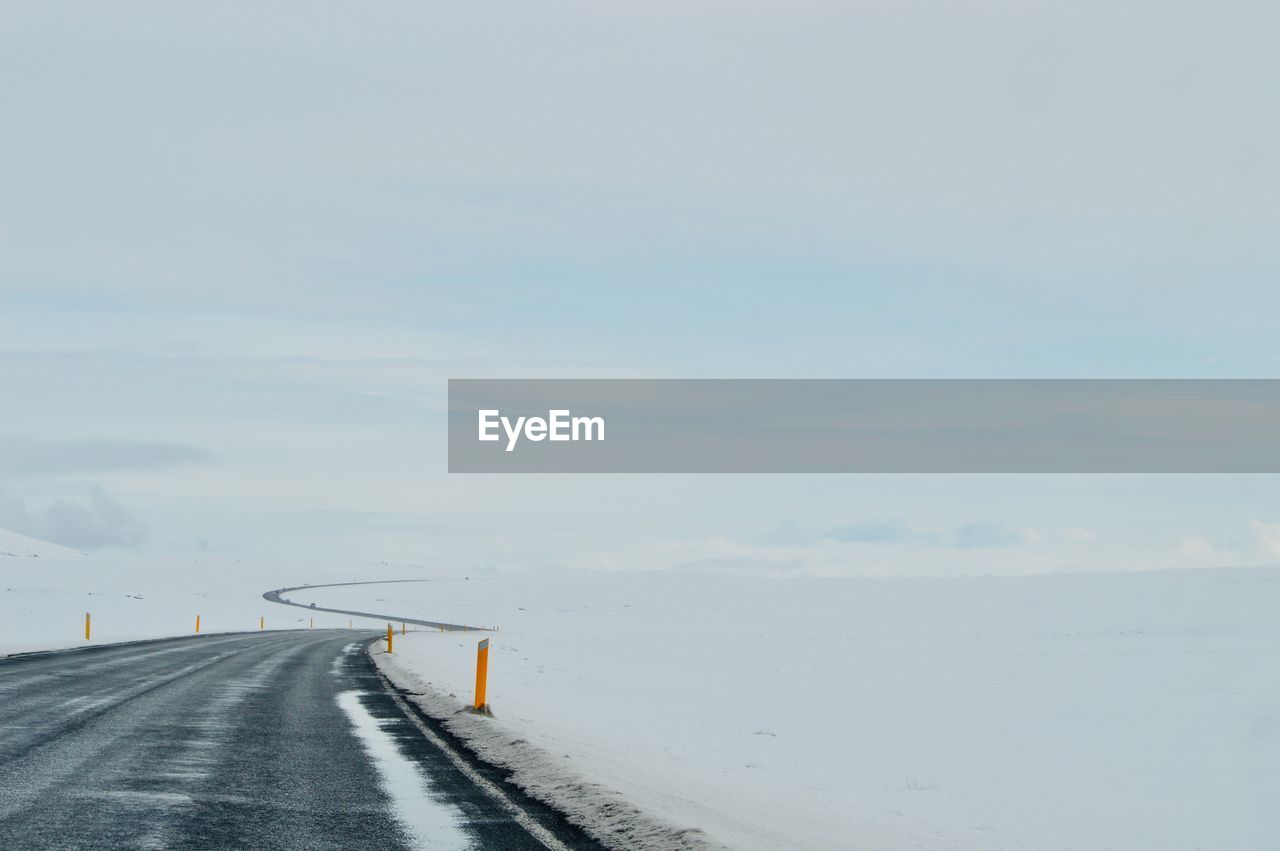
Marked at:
<point>100,521</point>
<point>1268,535</point>
<point>895,531</point>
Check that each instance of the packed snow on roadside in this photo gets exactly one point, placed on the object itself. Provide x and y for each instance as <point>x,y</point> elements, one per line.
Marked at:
<point>1088,711</point>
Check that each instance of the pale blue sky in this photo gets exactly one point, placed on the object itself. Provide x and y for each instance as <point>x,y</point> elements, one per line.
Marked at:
<point>266,236</point>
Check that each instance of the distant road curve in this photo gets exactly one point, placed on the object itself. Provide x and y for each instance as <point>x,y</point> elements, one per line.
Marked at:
<point>276,597</point>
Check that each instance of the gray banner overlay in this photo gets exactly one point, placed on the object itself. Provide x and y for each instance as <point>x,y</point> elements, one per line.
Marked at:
<point>864,426</point>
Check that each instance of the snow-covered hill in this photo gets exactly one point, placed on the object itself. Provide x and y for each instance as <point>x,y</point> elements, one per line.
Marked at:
<point>15,545</point>
<point>1134,710</point>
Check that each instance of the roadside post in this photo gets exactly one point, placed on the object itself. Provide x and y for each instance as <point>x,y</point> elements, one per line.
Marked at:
<point>390,635</point>
<point>482,675</point>
<point>197,623</point>
<point>262,621</point>
<point>86,626</point>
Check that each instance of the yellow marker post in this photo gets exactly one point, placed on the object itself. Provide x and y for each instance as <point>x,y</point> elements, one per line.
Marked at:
<point>390,635</point>
<point>262,622</point>
<point>482,674</point>
<point>86,626</point>
<point>197,623</point>
<point>402,629</point>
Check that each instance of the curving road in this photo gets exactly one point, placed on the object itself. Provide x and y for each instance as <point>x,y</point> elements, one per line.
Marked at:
<point>259,740</point>
<point>276,596</point>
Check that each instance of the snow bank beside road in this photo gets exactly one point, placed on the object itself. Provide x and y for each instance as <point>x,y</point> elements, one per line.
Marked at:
<point>602,812</point>
<point>1135,711</point>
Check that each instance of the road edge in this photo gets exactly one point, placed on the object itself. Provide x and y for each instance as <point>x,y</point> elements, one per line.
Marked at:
<point>515,764</point>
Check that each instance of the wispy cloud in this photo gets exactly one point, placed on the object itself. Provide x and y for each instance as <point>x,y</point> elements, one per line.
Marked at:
<point>27,455</point>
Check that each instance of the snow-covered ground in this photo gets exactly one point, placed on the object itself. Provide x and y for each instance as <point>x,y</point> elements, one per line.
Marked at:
<point>1091,711</point>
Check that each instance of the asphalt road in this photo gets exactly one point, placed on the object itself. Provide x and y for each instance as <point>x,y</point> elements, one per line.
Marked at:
<point>259,740</point>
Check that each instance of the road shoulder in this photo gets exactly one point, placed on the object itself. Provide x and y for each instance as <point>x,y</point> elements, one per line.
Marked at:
<point>506,758</point>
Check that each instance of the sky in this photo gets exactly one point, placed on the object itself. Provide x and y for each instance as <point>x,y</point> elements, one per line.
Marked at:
<point>242,247</point>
